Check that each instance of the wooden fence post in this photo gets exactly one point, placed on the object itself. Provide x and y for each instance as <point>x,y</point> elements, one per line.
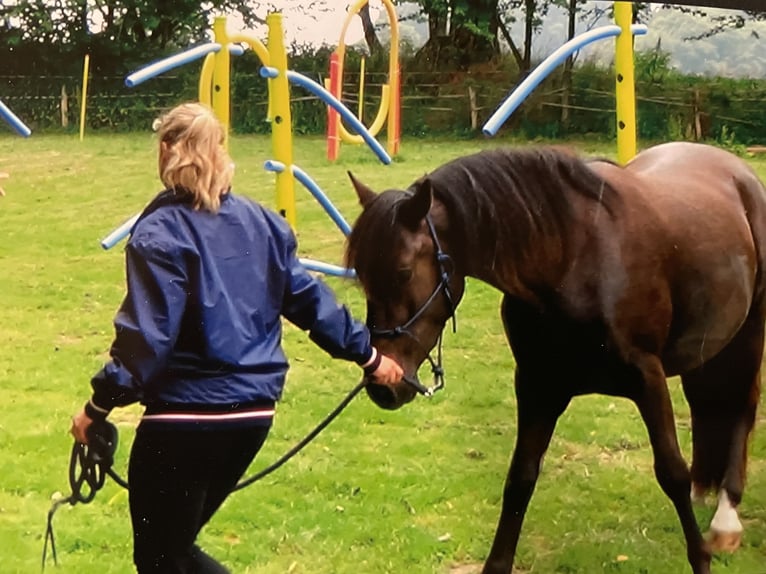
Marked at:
<point>474,108</point>
<point>64,107</point>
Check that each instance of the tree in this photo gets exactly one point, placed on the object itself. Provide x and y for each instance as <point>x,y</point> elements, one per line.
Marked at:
<point>460,33</point>
<point>534,12</point>
<point>731,20</point>
<point>370,37</point>
<point>111,31</point>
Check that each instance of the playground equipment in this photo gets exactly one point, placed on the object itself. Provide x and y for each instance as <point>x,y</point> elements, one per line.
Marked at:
<point>624,31</point>
<point>214,91</point>
<point>390,98</point>
<point>13,120</point>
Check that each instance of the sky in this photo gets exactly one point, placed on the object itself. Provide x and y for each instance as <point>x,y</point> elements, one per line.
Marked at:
<point>324,23</point>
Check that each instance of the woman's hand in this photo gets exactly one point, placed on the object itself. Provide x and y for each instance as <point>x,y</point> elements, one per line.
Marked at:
<point>388,372</point>
<point>80,424</point>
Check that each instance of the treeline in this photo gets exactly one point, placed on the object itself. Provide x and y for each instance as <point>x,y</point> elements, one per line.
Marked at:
<point>671,105</point>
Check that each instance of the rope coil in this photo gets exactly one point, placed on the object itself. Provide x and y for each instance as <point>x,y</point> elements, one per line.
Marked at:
<point>90,464</point>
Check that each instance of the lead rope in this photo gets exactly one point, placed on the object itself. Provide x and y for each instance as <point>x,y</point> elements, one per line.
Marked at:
<point>94,462</point>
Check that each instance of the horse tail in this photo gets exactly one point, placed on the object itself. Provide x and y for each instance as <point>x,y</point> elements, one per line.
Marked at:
<point>752,191</point>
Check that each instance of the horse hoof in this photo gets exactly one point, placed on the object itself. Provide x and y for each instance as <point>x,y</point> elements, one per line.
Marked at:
<point>724,541</point>
<point>466,569</point>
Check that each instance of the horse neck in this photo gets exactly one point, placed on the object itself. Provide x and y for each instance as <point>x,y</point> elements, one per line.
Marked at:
<point>516,259</point>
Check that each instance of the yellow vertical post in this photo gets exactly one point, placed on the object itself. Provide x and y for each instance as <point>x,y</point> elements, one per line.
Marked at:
<point>626,84</point>
<point>360,107</point>
<point>84,98</point>
<point>281,122</point>
<point>221,75</point>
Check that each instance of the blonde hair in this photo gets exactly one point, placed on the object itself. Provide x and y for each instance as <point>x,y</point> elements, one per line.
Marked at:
<point>192,157</point>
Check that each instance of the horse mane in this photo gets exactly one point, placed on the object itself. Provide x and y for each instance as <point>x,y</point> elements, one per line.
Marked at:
<point>370,245</point>
<point>499,201</point>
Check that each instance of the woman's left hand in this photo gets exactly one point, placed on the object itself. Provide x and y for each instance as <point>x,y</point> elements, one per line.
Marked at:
<point>80,424</point>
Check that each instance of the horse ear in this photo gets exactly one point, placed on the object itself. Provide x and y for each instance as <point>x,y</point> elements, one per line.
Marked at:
<point>415,209</point>
<point>364,193</point>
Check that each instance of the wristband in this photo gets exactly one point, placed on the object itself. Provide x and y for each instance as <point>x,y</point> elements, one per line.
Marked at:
<point>372,366</point>
<point>94,412</point>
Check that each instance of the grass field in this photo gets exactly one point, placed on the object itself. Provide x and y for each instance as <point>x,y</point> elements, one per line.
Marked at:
<point>412,491</point>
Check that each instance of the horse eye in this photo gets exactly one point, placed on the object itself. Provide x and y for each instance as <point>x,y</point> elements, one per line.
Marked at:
<point>403,276</point>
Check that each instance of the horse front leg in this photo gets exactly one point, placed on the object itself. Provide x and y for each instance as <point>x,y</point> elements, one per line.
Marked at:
<point>537,416</point>
<point>670,468</point>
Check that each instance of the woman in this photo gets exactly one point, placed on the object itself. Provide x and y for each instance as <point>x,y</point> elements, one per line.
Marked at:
<point>198,341</point>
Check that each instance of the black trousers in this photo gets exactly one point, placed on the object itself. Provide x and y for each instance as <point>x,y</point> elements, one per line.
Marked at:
<point>178,479</point>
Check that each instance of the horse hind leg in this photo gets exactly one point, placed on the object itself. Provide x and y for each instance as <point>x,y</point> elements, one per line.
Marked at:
<point>723,396</point>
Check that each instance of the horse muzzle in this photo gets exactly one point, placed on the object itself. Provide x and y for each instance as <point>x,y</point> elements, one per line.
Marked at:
<point>390,397</point>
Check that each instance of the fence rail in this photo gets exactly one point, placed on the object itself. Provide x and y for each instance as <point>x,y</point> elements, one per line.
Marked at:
<point>431,103</point>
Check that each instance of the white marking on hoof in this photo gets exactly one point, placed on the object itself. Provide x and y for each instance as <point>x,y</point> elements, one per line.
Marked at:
<point>725,528</point>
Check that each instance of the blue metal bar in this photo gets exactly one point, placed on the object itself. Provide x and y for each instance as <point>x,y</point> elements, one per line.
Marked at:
<point>278,167</point>
<point>327,205</point>
<point>167,64</point>
<point>14,121</point>
<point>522,91</point>
<point>327,268</point>
<point>330,100</point>
<point>118,234</point>
<point>323,200</point>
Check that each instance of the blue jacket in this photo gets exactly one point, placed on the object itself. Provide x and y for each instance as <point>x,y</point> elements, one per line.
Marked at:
<point>198,335</point>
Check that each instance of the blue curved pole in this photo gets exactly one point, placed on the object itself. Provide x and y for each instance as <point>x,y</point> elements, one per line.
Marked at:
<point>332,211</point>
<point>167,64</point>
<point>118,234</point>
<point>327,268</point>
<point>316,191</point>
<point>522,91</point>
<point>14,121</point>
<point>323,200</point>
<point>330,100</point>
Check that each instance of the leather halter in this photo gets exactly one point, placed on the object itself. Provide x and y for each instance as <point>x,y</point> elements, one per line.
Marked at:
<point>446,267</point>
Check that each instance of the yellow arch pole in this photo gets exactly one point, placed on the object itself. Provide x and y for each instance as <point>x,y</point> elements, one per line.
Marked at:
<point>221,76</point>
<point>262,52</point>
<point>84,98</point>
<point>205,89</point>
<point>255,44</point>
<point>386,109</point>
<point>626,84</point>
<point>281,121</point>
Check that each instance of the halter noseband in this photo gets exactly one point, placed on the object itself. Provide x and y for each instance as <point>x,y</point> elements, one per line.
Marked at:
<point>446,267</point>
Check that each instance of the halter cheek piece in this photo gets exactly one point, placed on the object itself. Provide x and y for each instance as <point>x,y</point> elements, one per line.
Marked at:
<point>446,267</point>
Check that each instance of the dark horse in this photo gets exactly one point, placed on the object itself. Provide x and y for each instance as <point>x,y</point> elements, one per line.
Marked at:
<point>614,278</point>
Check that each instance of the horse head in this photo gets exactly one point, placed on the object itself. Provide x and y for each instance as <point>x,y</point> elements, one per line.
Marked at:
<point>400,250</point>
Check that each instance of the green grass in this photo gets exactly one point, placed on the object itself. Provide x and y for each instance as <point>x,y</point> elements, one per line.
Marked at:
<point>417,490</point>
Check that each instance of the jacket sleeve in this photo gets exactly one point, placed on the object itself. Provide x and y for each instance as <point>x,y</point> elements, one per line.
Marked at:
<point>311,305</point>
<point>146,325</point>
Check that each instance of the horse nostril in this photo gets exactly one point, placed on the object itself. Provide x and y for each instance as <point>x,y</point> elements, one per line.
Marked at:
<point>383,396</point>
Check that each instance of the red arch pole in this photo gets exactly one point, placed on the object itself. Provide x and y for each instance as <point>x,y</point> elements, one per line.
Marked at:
<point>333,137</point>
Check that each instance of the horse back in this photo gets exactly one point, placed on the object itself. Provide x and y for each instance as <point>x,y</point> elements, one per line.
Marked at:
<point>686,252</point>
